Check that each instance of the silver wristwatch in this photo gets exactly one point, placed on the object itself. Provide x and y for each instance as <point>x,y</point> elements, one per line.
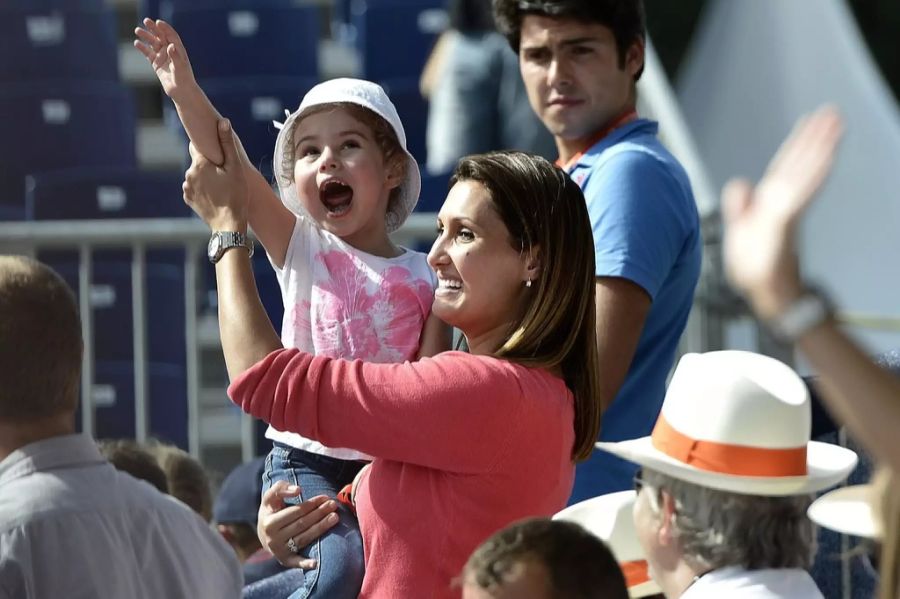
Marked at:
<point>806,312</point>
<point>220,241</point>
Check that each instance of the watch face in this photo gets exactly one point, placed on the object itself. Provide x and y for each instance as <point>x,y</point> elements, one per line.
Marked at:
<point>215,244</point>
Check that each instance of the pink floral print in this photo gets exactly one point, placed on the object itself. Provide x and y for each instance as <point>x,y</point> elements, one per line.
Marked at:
<point>343,319</point>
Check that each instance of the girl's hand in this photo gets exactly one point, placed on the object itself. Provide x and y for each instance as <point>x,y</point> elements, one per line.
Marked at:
<point>761,222</point>
<point>304,523</point>
<point>165,52</point>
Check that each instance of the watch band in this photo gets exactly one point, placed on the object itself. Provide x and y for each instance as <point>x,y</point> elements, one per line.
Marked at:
<point>808,311</point>
<point>222,241</point>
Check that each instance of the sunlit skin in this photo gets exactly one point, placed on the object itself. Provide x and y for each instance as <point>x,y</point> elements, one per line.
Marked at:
<point>481,278</point>
<point>332,145</point>
<point>656,534</point>
<point>574,79</point>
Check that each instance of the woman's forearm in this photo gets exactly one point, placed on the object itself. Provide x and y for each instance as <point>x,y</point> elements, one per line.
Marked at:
<point>246,332</point>
<point>861,394</point>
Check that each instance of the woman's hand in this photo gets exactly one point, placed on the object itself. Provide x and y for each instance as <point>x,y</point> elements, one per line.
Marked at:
<point>761,222</point>
<point>304,523</point>
<point>218,194</point>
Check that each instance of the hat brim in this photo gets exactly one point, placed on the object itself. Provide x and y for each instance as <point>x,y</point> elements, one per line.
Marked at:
<point>827,465</point>
<point>847,511</point>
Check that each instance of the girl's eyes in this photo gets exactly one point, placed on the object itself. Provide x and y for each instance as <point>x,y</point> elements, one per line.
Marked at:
<point>306,151</point>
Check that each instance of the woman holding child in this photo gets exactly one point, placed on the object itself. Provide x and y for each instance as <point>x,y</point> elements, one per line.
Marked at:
<point>463,444</point>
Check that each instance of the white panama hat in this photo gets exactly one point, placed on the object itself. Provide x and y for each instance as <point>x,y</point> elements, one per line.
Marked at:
<point>740,422</point>
<point>368,95</point>
<point>609,517</point>
<point>847,510</point>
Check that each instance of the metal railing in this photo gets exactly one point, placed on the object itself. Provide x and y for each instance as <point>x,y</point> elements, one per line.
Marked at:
<point>139,235</point>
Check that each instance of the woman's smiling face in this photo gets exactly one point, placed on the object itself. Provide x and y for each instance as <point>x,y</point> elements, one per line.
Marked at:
<point>481,277</point>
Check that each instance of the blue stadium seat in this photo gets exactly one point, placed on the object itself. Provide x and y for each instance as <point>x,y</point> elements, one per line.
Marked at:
<point>395,37</point>
<point>44,44</point>
<point>252,40</point>
<point>111,298</point>
<point>58,125</point>
<point>114,409</point>
<point>52,5</point>
<point>252,104</point>
<point>161,9</point>
<point>413,111</point>
<point>97,193</point>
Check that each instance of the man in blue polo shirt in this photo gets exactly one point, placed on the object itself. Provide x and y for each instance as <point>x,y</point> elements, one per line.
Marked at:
<point>580,61</point>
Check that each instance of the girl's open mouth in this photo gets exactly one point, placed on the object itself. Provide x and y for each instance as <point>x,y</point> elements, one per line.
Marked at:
<point>336,196</point>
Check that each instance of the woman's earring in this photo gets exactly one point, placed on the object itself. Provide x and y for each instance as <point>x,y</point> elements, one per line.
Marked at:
<point>528,283</point>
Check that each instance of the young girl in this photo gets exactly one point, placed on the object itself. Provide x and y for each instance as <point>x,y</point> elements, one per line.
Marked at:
<point>346,182</point>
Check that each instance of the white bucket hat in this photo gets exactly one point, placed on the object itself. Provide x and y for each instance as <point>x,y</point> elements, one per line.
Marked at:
<point>740,422</point>
<point>609,517</point>
<point>847,510</point>
<point>368,95</point>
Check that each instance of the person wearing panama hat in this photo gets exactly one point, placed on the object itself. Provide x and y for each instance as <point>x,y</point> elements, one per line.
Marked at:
<point>609,518</point>
<point>727,476</point>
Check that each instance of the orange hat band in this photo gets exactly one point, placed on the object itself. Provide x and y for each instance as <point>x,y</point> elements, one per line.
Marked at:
<point>635,573</point>
<point>737,460</point>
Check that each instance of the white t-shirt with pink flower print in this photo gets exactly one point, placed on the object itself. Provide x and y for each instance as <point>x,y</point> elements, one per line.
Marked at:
<point>343,303</point>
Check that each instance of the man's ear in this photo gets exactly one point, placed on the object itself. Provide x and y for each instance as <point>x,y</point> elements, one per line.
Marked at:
<point>666,532</point>
<point>634,56</point>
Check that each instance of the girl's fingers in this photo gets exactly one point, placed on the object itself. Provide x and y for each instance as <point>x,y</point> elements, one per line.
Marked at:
<point>168,31</point>
<point>148,52</point>
<point>147,37</point>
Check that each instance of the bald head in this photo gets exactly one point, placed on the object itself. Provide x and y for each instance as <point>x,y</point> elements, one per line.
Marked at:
<point>40,343</point>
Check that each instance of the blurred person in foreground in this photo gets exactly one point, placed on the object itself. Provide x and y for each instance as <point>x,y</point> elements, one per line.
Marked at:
<point>540,558</point>
<point>761,261</point>
<point>70,523</point>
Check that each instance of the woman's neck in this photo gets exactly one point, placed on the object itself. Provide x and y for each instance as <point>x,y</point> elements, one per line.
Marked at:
<point>487,342</point>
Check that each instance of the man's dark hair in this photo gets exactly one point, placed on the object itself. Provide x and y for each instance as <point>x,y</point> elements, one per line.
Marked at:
<point>40,342</point>
<point>579,565</point>
<point>626,19</point>
<point>129,456</point>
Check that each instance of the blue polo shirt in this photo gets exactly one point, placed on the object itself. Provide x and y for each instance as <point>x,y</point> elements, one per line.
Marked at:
<point>647,230</point>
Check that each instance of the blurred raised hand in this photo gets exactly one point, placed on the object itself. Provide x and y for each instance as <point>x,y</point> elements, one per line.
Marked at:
<point>760,240</point>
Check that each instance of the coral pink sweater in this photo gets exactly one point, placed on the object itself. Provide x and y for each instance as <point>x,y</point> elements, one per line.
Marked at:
<point>465,445</point>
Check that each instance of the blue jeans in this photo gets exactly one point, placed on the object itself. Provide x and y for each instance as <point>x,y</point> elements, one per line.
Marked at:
<point>339,552</point>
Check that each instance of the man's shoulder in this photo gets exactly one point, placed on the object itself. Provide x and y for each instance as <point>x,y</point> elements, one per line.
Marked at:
<point>638,156</point>
<point>635,169</point>
<point>82,489</point>
<point>94,512</point>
